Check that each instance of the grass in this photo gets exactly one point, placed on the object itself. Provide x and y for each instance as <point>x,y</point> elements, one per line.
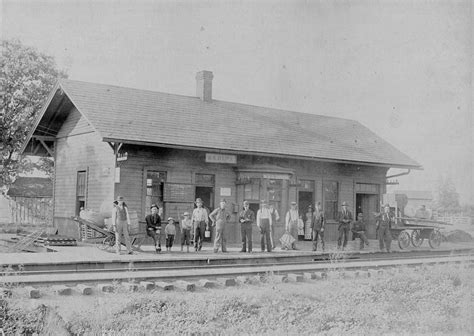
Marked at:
<point>435,300</point>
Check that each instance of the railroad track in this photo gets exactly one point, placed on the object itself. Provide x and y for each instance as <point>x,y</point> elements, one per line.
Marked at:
<point>192,272</point>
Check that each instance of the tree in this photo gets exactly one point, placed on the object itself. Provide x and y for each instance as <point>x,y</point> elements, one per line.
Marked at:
<point>448,198</point>
<point>26,78</point>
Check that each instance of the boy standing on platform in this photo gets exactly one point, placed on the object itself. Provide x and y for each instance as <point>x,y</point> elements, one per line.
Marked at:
<point>186,226</point>
<point>170,232</point>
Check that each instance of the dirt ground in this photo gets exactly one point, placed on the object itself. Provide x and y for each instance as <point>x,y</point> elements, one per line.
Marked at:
<point>437,300</point>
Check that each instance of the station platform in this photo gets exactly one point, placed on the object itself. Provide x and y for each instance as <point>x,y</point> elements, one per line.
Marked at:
<point>89,256</point>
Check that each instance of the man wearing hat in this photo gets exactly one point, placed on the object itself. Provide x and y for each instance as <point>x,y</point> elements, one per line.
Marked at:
<point>345,218</point>
<point>384,223</point>
<point>246,219</point>
<point>153,226</point>
<point>291,223</point>
<point>264,224</point>
<point>120,222</point>
<point>219,218</point>
<point>200,219</point>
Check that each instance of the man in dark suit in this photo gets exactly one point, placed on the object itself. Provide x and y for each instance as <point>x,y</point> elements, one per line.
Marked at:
<point>153,226</point>
<point>384,224</point>
<point>345,219</point>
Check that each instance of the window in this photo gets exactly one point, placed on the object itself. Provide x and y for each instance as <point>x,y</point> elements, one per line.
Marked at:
<point>205,179</point>
<point>154,188</point>
<point>252,190</point>
<point>330,196</point>
<point>81,191</point>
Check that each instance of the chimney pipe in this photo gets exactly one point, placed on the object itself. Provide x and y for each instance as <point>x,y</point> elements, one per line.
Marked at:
<point>204,85</point>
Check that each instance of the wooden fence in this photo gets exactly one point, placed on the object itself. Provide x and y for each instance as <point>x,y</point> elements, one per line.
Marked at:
<point>35,211</point>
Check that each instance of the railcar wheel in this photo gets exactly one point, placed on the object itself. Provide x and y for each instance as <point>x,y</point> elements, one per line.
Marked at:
<point>108,243</point>
<point>416,238</point>
<point>403,240</point>
<point>435,239</point>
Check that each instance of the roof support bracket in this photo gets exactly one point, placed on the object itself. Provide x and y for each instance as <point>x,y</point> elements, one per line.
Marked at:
<point>396,175</point>
<point>48,149</point>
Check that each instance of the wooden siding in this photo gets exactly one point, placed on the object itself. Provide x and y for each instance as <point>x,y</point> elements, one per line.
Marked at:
<point>74,124</point>
<point>181,167</point>
<point>76,153</point>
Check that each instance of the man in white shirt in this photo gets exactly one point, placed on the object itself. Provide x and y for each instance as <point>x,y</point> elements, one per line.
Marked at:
<point>291,223</point>
<point>264,223</point>
<point>200,220</point>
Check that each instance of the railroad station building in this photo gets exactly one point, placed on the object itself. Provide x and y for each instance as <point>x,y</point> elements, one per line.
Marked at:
<point>170,149</point>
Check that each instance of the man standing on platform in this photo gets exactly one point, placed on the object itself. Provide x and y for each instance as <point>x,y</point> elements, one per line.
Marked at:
<point>219,218</point>
<point>318,227</point>
<point>264,223</point>
<point>291,223</point>
<point>345,219</point>
<point>384,223</point>
<point>200,220</point>
<point>246,219</point>
<point>275,219</point>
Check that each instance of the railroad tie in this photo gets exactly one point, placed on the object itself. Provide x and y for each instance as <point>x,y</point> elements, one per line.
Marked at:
<point>130,286</point>
<point>147,285</point>
<point>106,288</point>
<point>205,283</point>
<point>309,276</point>
<point>32,292</point>
<point>84,289</point>
<point>226,282</point>
<point>185,285</point>
<point>293,277</point>
<point>166,286</point>
<point>62,290</point>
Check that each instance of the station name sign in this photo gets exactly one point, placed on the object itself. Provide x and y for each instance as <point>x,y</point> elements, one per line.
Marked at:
<point>221,158</point>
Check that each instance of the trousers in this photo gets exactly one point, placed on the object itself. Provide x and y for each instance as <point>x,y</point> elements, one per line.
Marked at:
<point>199,231</point>
<point>343,233</point>
<point>294,232</point>
<point>121,228</point>
<point>363,238</point>
<point>156,236</point>
<point>316,234</point>
<point>266,238</point>
<point>169,241</point>
<point>220,241</point>
<point>185,237</point>
<point>385,236</point>
<point>246,232</point>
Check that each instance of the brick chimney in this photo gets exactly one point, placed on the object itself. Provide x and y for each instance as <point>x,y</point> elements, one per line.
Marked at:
<point>204,85</point>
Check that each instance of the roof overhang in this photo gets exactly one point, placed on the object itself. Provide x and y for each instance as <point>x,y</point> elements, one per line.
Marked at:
<point>243,152</point>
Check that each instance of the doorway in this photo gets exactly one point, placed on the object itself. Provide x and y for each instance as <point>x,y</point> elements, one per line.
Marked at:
<point>207,196</point>
<point>305,199</point>
<point>368,205</point>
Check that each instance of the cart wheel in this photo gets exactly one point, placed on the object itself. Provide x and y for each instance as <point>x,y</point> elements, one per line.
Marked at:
<point>108,242</point>
<point>403,240</point>
<point>416,238</point>
<point>435,239</point>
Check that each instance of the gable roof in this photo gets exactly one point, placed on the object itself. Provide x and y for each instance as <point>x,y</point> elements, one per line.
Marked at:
<point>160,119</point>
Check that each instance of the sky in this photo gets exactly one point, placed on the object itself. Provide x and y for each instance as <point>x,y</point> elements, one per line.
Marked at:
<point>401,68</point>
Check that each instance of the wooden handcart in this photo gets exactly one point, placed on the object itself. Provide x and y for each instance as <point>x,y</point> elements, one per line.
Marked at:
<point>413,231</point>
<point>137,234</point>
